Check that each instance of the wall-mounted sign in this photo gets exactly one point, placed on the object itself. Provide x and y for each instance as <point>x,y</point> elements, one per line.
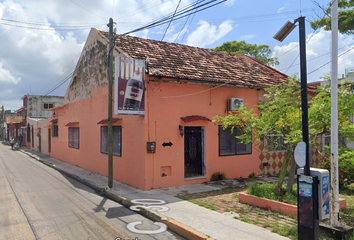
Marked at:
<point>129,86</point>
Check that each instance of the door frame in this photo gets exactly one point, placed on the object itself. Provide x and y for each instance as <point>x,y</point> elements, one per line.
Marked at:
<point>203,155</point>
<point>49,140</point>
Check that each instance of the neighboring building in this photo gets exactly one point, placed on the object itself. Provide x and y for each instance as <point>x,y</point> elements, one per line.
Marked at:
<point>175,142</point>
<point>2,123</point>
<point>6,126</point>
<point>38,135</point>
<point>35,108</point>
<point>14,126</point>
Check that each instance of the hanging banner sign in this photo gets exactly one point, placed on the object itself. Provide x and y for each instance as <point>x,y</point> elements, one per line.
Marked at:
<point>129,86</point>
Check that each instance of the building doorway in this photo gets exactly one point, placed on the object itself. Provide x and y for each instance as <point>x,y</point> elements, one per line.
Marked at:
<point>49,140</point>
<point>194,165</point>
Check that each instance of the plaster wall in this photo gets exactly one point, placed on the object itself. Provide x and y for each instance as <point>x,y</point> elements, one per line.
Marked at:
<point>166,104</point>
<point>35,105</point>
<point>129,168</point>
<point>40,132</point>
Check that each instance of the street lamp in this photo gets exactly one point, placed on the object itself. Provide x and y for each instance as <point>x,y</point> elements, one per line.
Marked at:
<point>280,36</point>
<point>284,31</point>
<point>308,221</point>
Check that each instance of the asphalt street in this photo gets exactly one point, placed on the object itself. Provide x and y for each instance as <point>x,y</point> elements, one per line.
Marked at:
<point>38,202</point>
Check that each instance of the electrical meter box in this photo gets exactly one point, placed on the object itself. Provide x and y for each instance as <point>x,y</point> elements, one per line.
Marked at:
<point>323,190</point>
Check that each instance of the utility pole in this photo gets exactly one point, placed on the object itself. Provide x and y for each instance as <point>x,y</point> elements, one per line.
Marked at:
<point>334,205</point>
<point>110,84</point>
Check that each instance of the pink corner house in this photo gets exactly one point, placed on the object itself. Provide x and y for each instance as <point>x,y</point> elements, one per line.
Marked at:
<point>184,88</point>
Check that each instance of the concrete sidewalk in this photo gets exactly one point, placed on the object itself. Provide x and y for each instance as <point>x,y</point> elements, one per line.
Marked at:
<point>185,218</point>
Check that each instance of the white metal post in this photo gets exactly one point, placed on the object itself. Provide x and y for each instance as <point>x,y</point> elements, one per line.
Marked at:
<point>334,119</point>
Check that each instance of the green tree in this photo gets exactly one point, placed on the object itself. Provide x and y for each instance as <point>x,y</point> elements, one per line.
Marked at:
<point>261,53</point>
<point>345,17</point>
<point>280,115</point>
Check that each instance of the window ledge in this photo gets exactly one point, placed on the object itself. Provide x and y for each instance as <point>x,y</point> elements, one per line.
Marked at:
<point>192,178</point>
<point>114,155</point>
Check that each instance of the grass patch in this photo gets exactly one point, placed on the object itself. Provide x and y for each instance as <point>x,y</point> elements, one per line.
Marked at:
<point>267,190</point>
<point>266,224</point>
<point>288,231</point>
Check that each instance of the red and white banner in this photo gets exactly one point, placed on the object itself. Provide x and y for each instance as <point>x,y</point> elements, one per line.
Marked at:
<point>129,86</point>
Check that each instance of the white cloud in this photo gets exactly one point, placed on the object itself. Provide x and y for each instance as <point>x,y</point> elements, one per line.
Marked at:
<point>246,37</point>
<point>12,104</point>
<point>6,76</point>
<point>37,59</point>
<point>207,34</point>
<point>318,55</point>
<point>176,36</point>
<point>229,2</point>
<point>282,8</point>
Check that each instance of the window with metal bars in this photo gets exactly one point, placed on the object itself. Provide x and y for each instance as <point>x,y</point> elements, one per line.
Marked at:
<point>229,144</point>
<point>74,137</point>
<point>117,140</point>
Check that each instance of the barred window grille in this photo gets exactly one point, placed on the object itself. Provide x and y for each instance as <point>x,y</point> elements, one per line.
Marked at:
<point>74,137</point>
<point>229,144</point>
<point>55,130</point>
<point>117,140</point>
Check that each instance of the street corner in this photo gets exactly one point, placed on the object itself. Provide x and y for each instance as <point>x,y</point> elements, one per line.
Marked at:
<point>183,230</point>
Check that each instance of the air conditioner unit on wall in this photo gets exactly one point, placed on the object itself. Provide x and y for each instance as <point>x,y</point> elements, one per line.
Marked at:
<point>234,103</point>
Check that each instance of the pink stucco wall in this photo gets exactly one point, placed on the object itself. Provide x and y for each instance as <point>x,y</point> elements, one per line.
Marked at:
<point>88,112</point>
<point>163,115</point>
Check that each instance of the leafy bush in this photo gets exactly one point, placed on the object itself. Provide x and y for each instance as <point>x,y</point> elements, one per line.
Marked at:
<point>268,190</point>
<point>345,166</point>
<point>217,176</point>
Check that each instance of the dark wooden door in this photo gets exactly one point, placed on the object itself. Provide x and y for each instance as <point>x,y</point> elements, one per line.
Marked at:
<point>49,140</point>
<point>193,152</point>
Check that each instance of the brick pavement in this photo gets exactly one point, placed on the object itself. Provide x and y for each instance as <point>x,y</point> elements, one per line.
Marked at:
<point>225,201</point>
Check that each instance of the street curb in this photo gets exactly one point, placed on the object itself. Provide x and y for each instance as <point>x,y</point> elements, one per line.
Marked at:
<point>83,181</point>
<point>173,225</point>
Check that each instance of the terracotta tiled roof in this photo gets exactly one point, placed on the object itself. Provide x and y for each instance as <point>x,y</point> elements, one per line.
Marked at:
<point>194,118</point>
<point>198,64</point>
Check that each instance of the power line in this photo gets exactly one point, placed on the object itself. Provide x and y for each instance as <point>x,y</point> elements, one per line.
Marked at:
<point>171,20</point>
<point>330,61</point>
<point>313,33</point>
<point>57,79</point>
<point>130,13</point>
<point>315,57</point>
<point>184,34</point>
<point>47,28</point>
<point>288,51</point>
<point>68,77</point>
<point>86,9</point>
<point>112,8</point>
<point>49,24</point>
<point>181,14</point>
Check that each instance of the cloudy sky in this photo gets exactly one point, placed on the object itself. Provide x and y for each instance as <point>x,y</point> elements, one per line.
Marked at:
<point>41,40</point>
